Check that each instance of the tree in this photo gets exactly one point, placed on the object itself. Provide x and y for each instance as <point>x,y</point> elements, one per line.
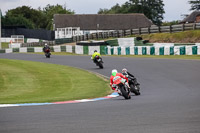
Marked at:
<point>50,10</point>
<point>195,4</point>
<point>17,21</point>
<point>114,10</point>
<point>153,9</point>
<point>26,13</point>
<point>34,18</point>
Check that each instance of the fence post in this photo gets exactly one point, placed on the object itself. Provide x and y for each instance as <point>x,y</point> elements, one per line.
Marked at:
<point>83,38</point>
<point>131,31</point>
<point>87,37</point>
<point>101,34</point>
<point>112,34</point>
<point>106,34</point>
<point>139,31</point>
<point>118,33</point>
<point>170,29</point>
<point>183,27</point>
<point>91,36</point>
<point>97,36</point>
<point>194,26</point>
<point>79,39</point>
<point>148,30</point>
<point>159,29</point>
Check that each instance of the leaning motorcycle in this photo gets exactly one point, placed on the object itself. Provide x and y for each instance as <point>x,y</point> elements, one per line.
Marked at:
<point>121,86</point>
<point>47,53</point>
<point>99,62</point>
<point>134,85</point>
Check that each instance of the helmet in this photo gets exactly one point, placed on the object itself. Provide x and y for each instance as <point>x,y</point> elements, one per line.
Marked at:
<point>124,70</point>
<point>95,50</point>
<point>114,72</point>
<point>45,44</point>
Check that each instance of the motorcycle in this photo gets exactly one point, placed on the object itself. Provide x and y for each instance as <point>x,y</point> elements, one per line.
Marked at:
<point>98,61</point>
<point>134,85</point>
<point>121,86</point>
<point>47,53</point>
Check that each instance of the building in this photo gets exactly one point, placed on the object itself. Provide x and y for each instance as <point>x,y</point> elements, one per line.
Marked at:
<point>66,25</point>
<point>194,17</point>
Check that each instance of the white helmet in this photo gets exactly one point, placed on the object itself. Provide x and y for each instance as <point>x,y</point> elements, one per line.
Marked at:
<point>124,70</point>
<point>114,72</point>
<point>45,44</point>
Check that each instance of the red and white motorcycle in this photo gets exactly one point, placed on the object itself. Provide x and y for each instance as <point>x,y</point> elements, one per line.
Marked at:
<point>122,87</point>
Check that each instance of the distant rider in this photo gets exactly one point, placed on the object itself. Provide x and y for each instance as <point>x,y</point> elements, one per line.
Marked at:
<point>46,47</point>
<point>114,74</point>
<point>94,56</point>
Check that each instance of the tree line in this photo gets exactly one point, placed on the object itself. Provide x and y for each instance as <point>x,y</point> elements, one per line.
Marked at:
<point>28,17</point>
<point>43,18</point>
<point>152,9</point>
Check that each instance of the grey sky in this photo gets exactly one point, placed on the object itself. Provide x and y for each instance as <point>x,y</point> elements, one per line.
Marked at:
<point>173,8</point>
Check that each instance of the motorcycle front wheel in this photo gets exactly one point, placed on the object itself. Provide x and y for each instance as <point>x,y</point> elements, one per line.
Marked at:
<point>124,93</point>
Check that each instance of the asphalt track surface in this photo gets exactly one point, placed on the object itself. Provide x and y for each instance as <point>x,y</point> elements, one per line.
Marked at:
<point>170,100</point>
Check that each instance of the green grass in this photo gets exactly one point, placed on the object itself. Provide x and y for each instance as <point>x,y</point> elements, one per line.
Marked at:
<point>34,82</point>
<point>4,45</point>
<point>190,36</point>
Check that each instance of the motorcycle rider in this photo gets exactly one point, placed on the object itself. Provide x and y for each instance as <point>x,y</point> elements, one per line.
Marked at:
<point>94,55</point>
<point>114,74</point>
<point>127,74</point>
<point>45,48</point>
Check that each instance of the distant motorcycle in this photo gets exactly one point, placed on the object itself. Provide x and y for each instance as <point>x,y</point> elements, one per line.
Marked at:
<point>47,53</point>
<point>99,62</point>
<point>120,85</point>
<point>134,85</point>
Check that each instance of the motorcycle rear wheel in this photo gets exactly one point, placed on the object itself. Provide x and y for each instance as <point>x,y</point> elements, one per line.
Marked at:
<point>100,65</point>
<point>135,91</point>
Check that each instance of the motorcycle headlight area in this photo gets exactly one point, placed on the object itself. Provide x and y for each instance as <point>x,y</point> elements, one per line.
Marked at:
<point>123,80</point>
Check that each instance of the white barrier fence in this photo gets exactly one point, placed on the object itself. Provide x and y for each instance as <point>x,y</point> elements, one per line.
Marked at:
<point>133,50</point>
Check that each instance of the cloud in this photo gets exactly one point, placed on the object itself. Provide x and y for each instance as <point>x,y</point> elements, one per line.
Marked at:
<point>175,8</point>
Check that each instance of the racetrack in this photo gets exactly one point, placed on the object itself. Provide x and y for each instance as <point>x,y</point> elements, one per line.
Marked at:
<point>170,100</point>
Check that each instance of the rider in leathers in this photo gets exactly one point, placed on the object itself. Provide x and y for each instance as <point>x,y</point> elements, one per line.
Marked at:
<point>114,74</point>
<point>126,73</point>
<point>94,56</point>
<point>45,48</point>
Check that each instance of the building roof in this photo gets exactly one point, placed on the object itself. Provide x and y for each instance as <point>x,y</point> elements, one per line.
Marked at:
<point>191,18</point>
<point>102,21</point>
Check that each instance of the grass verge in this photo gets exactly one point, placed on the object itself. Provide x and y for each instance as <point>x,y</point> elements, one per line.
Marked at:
<point>34,82</point>
<point>4,45</point>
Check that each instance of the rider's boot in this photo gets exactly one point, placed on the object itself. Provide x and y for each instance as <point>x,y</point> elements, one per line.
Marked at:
<point>119,92</point>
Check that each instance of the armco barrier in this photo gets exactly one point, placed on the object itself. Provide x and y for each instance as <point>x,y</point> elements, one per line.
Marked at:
<point>133,50</point>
